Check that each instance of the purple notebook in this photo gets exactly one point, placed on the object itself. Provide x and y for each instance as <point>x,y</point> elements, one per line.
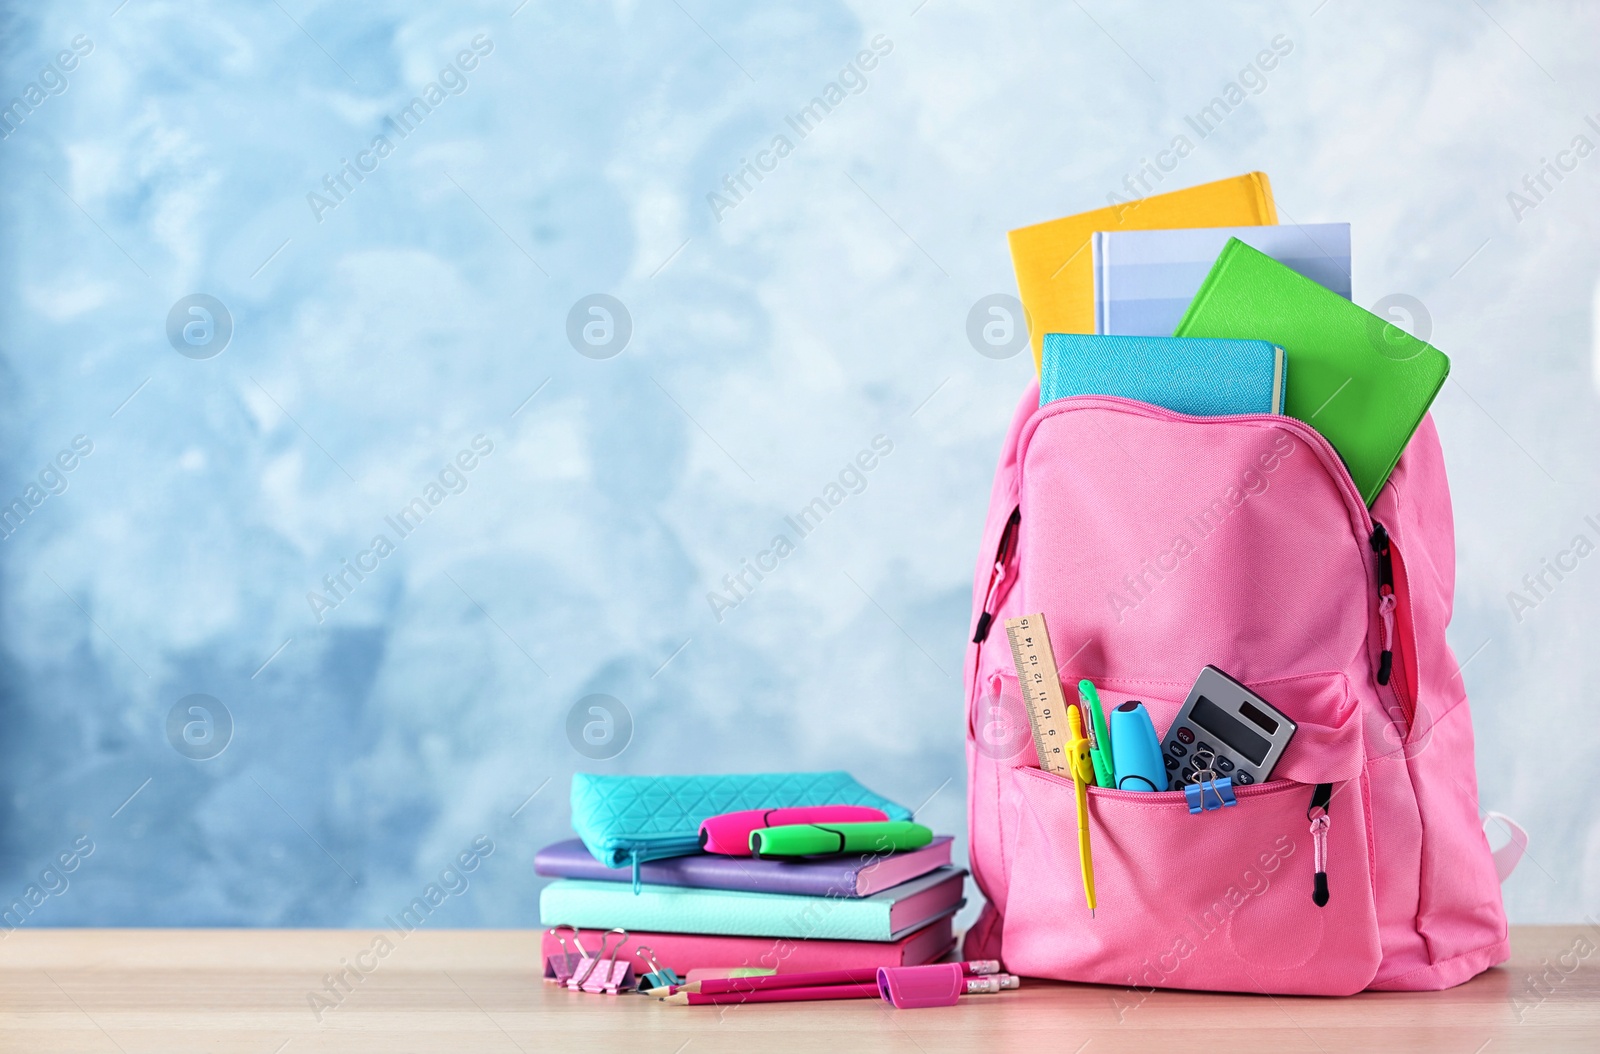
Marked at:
<point>849,876</point>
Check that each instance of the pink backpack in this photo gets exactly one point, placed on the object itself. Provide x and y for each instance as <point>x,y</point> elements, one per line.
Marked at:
<point>1156,543</point>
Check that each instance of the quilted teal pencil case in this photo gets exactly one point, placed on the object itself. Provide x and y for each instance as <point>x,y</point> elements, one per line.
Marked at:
<point>626,820</point>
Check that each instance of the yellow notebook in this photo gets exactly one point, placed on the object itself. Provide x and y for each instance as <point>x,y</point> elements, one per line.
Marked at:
<point>1055,267</point>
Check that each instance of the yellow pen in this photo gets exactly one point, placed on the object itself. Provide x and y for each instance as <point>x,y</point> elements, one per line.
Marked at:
<point>1082,777</point>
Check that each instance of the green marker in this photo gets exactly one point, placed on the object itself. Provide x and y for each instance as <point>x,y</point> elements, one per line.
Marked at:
<point>820,839</point>
<point>1100,752</point>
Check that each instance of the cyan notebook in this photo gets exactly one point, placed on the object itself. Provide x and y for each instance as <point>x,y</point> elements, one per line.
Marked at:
<point>1144,280</point>
<point>1202,377</point>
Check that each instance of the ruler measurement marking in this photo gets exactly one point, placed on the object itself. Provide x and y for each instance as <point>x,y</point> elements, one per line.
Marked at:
<point>1041,691</point>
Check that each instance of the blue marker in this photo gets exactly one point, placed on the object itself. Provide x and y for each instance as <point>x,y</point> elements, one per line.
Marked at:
<point>1135,750</point>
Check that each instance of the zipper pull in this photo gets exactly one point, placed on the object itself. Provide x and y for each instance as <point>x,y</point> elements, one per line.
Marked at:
<point>1008,537</point>
<point>1386,599</point>
<point>1317,813</point>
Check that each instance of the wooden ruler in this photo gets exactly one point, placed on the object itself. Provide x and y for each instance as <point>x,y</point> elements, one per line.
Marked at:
<point>1041,691</point>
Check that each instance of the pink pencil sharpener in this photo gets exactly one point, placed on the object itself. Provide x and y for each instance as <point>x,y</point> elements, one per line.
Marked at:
<point>912,987</point>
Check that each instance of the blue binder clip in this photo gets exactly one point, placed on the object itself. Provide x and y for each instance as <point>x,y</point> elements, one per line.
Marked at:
<point>1205,795</point>
<point>659,976</point>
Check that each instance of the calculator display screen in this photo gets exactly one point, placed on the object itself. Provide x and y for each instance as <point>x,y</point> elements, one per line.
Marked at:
<point>1226,727</point>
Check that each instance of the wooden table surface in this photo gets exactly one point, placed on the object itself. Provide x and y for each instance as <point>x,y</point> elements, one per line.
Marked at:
<point>249,992</point>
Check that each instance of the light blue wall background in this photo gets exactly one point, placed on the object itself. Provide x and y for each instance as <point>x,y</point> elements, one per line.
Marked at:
<point>771,341</point>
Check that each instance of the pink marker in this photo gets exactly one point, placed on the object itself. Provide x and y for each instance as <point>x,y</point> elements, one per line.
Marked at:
<point>729,834</point>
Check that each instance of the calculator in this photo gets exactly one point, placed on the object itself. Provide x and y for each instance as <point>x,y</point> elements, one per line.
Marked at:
<point>1225,727</point>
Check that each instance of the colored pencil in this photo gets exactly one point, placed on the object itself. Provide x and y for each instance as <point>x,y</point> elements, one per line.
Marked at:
<point>989,984</point>
<point>778,995</point>
<point>706,973</point>
<point>863,975</point>
<point>695,977</point>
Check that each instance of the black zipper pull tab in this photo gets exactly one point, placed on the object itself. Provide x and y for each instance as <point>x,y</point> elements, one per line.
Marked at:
<point>1317,813</point>
<point>1386,599</point>
<point>1008,537</point>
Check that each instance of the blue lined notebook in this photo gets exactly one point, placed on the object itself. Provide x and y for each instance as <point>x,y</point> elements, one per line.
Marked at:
<point>1201,376</point>
<point>1144,280</point>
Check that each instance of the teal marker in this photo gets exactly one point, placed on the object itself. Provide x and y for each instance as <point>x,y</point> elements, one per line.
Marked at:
<point>1105,774</point>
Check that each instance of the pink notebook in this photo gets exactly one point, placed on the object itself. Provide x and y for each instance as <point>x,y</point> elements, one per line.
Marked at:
<point>687,951</point>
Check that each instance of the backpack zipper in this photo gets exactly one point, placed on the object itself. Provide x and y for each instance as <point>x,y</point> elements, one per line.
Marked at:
<point>1386,601</point>
<point>1008,537</point>
<point>1002,556</point>
<point>1389,614</point>
<point>1317,813</point>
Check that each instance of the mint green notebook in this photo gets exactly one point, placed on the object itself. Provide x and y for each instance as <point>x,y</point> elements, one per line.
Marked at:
<point>885,916</point>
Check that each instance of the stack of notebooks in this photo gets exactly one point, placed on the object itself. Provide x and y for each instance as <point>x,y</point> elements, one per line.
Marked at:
<point>707,911</point>
<point>1199,302</point>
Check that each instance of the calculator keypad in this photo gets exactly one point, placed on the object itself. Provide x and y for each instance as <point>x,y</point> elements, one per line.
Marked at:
<point>1187,755</point>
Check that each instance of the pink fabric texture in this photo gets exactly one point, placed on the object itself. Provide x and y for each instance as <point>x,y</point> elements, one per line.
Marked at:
<point>1154,544</point>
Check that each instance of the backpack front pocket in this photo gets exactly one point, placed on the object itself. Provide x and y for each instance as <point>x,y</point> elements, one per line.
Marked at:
<point>1222,900</point>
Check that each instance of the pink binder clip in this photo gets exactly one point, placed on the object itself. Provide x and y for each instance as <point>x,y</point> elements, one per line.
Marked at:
<point>558,967</point>
<point>598,974</point>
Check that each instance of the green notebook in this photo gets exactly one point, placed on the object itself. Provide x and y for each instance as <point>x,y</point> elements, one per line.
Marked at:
<point>1356,378</point>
